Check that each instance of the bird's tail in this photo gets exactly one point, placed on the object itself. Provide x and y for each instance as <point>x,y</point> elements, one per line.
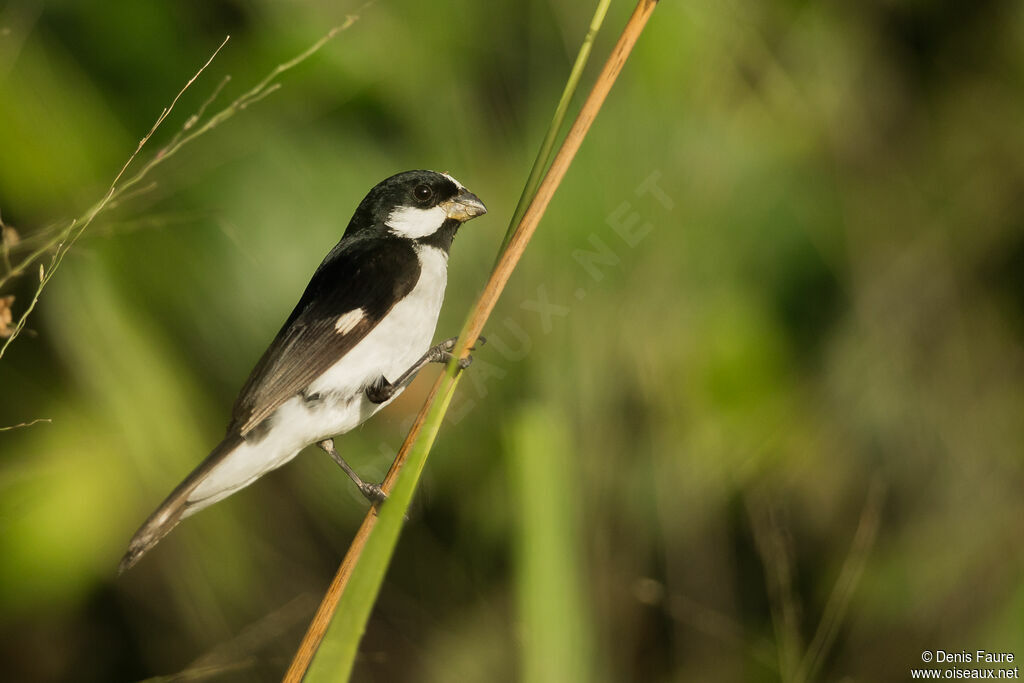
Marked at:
<point>170,512</point>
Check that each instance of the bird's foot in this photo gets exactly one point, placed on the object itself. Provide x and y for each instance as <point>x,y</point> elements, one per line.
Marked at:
<point>442,353</point>
<point>380,392</point>
<point>373,492</point>
<point>384,390</point>
<point>446,356</point>
<point>449,344</point>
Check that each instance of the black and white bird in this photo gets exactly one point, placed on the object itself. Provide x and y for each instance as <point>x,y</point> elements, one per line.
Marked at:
<point>357,337</point>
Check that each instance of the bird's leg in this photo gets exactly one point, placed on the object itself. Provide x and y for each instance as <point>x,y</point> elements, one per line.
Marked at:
<point>439,353</point>
<point>373,492</point>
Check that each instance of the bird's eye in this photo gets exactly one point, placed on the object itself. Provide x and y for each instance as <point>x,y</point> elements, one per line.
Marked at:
<point>423,193</point>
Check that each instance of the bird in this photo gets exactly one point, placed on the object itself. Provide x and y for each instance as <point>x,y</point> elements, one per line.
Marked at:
<point>357,337</point>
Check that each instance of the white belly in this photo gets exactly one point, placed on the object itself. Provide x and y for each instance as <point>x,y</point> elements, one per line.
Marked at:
<point>390,349</point>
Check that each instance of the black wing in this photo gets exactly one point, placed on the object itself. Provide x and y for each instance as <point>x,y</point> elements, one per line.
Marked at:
<point>368,274</point>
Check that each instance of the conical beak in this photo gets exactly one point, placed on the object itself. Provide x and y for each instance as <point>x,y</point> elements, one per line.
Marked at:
<point>463,206</point>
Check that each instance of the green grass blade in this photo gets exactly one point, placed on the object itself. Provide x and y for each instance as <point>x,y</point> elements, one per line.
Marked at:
<point>547,147</point>
<point>555,637</point>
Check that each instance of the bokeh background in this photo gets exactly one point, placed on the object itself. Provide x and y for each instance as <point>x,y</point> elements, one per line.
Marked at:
<point>753,406</point>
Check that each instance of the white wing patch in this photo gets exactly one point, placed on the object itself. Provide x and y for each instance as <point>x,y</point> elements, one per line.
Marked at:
<point>411,222</point>
<point>346,321</point>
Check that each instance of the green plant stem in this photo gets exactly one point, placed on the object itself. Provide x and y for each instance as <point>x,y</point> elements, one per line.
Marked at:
<point>548,145</point>
<point>358,580</point>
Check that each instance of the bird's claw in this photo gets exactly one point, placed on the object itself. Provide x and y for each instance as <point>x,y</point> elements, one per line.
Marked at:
<point>449,344</point>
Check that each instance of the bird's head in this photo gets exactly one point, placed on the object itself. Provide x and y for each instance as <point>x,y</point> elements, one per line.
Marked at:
<point>421,205</point>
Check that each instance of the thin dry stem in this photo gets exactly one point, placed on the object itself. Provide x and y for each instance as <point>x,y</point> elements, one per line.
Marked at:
<point>795,664</point>
<point>774,545</point>
<point>25,424</point>
<point>195,118</point>
<point>145,189</point>
<point>118,191</point>
<point>849,577</point>
<point>70,236</point>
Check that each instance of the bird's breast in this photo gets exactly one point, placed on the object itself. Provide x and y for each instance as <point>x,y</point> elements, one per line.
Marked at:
<point>397,341</point>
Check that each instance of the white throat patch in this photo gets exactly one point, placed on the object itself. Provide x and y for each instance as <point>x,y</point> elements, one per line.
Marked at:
<point>411,222</point>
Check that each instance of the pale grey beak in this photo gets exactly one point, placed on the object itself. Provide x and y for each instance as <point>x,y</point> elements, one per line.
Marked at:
<point>463,206</point>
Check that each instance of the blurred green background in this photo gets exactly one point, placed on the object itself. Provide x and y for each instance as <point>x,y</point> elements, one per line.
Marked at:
<point>772,429</point>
